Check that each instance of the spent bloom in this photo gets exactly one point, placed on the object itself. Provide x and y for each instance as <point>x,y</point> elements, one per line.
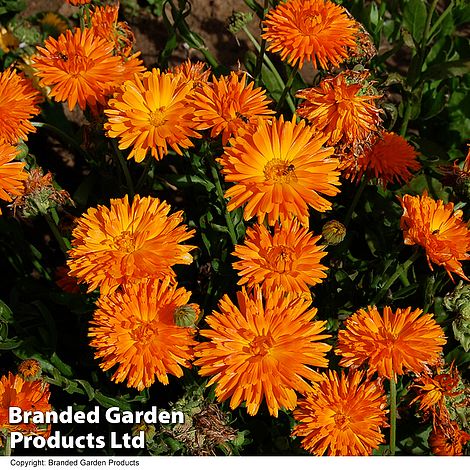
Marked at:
<point>316,31</point>
<point>262,350</point>
<point>152,112</point>
<point>280,169</point>
<point>391,343</point>
<point>448,440</point>
<point>289,258</point>
<point>342,416</point>
<point>439,229</point>
<point>134,329</point>
<point>128,242</point>
<point>227,104</point>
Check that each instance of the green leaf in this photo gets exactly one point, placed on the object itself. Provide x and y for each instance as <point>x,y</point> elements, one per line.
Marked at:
<point>61,366</point>
<point>6,314</point>
<point>108,402</point>
<point>454,68</point>
<point>414,18</point>
<point>88,388</point>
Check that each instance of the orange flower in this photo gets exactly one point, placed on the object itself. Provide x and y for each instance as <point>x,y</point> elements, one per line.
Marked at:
<point>448,440</point>
<point>192,72</point>
<point>18,104</point>
<point>289,259</point>
<point>11,173</point>
<point>342,416</point>
<point>153,113</point>
<point>128,243</point>
<point>390,158</point>
<point>310,30</point>
<point>392,343</point>
<point>438,229</point>
<point>30,369</point>
<point>78,2</point>
<point>81,68</point>
<point>280,170</point>
<point>340,109</point>
<point>262,350</point>
<point>135,330</point>
<point>29,396</point>
<point>104,21</point>
<point>228,104</point>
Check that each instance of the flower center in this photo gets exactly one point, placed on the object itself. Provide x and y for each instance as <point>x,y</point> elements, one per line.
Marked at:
<point>143,333</point>
<point>261,345</point>
<point>342,420</point>
<point>157,117</point>
<point>126,242</point>
<point>280,258</point>
<point>279,171</point>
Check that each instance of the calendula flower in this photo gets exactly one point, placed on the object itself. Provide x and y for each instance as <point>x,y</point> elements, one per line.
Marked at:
<point>30,369</point>
<point>196,73</point>
<point>12,173</point>
<point>262,350</point>
<point>280,169</point>
<point>317,31</point>
<point>104,21</point>
<point>80,67</point>
<point>8,40</point>
<point>152,112</point>
<point>340,109</point>
<point>391,343</point>
<point>134,330</point>
<point>342,416</point>
<point>18,104</point>
<point>390,158</point>
<point>290,258</point>
<point>128,242</point>
<point>333,232</point>
<point>458,176</point>
<point>227,104</point>
<point>29,396</point>
<point>78,2</point>
<point>448,439</point>
<point>438,229</point>
<point>52,24</point>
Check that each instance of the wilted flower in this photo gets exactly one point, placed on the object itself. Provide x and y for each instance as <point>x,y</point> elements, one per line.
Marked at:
<point>333,232</point>
<point>448,439</point>
<point>30,369</point>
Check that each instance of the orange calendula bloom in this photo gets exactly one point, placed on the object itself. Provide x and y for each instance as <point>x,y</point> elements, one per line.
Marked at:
<point>227,104</point>
<point>11,173</point>
<point>448,440</point>
<point>18,104</point>
<point>126,243</point>
<point>289,259</point>
<point>310,30</point>
<point>339,110</point>
<point>134,329</point>
<point>152,112</point>
<point>78,2</point>
<point>438,229</point>
<point>390,158</point>
<point>342,416</point>
<point>262,350</point>
<point>27,395</point>
<point>81,67</point>
<point>392,343</point>
<point>196,73</point>
<point>280,169</point>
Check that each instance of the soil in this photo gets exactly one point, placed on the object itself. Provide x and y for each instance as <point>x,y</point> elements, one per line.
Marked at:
<point>208,18</point>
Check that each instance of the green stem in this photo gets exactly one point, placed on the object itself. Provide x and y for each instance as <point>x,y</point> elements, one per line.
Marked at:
<point>440,19</point>
<point>220,194</point>
<point>125,169</point>
<point>354,202</point>
<point>64,136</point>
<point>144,174</point>
<point>7,446</point>
<point>406,118</point>
<point>288,86</point>
<point>401,270</point>
<point>262,49</point>
<point>393,415</point>
<point>270,65</point>
<point>426,31</point>
<point>56,233</point>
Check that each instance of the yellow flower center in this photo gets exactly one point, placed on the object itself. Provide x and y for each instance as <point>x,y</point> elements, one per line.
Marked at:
<point>157,118</point>
<point>125,242</point>
<point>280,258</point>
<point>261,345</point>
<point>279,171</point>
